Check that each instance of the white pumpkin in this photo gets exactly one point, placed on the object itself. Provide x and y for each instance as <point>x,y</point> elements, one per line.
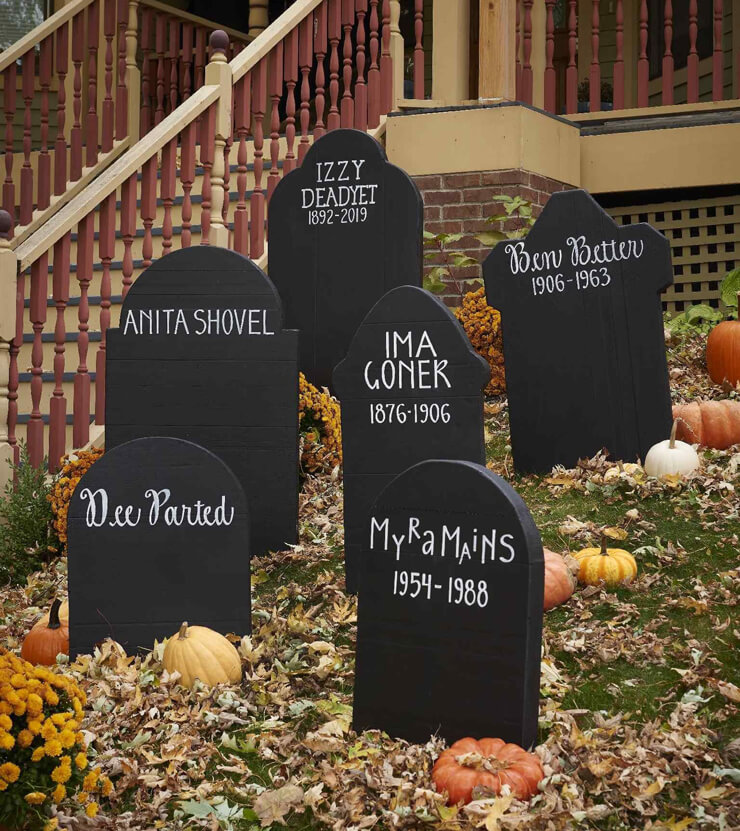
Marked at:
<point>671,457</point>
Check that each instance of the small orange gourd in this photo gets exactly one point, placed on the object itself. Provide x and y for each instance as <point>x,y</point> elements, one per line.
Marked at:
<point>47,639</point>
<point>488,763</point>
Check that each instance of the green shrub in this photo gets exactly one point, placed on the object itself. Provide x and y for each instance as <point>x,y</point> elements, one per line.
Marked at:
<point>26,535</point>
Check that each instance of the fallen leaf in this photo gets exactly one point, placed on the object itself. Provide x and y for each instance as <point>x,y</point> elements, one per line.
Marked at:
<point>272,806</point>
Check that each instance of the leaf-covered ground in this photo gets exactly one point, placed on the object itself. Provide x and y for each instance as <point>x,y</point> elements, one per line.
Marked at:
<point>639,725</point>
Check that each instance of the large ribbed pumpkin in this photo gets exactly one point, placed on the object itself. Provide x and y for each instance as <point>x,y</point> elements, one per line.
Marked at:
<point>560,581</point>
<point>613,566</point>
<point>47,639</point>
<point>488,763</point>
<point>708,423</point>
<point>723,352</point>
<point>63,613</point>
<point>199,652</point>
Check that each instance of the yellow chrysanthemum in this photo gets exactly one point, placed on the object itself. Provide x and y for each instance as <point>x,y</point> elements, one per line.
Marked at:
<point>7,742</point>
<point>81,761</point>
<point>25,738</point>
<point>6,723</point>
<point>106,786</point>
<point>72,470</point>
<point>49,730</point>
<point>35,726</point>
<point>59,793</point>
<point>92,809</point>
<point>52,824</point>
<point>10,772</point>
<point>482,325</point>
<point>82,797</point>
<point>53,747</point>
<point>61,774</point>
<point>35,798</point>
<point>67,738</point>
<point>38,754</point>
<point>3,785</point>
<point>90,781</point>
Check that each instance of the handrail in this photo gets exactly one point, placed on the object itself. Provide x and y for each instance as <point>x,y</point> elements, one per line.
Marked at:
<point>53,230</point>
<point>43,30</point>
<point>235,34</point>
<point>271,36</point>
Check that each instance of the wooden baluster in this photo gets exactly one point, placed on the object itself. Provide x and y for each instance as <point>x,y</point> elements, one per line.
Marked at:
<point>199,69</point>
<point>174,58</point>
<point>549,55</point>
<point>160,38</point>
<point>207,147</point>
<point>43,195</point>
<point>717,54</point>
<point>619,60</point>
<point>319,46</point>
<point>91,122</point>
<point>335,33</point>
<point>386,62</point>
<point>348,105</point>
<point>291,78</point>
<point>419,49</point>
<point>276,90</point>
<point>9,92</point>
<point>106,249</point>
<point>75,136</point>
<point>60,143</point>
<point>109,30</point>
<point>257,201</point>
<point>81,419</point>
<point>242,112</point>
<point>187,177</point>
<point>360,59</point>
<point>15,348</point>
<point>527,79</point>
<point>121,91</point>
<point>571,73</point>
<point>668,52</point>
<point>148,208</point>
<point>128,231</point>
<point>594,91</point>
<point>28,81</point>
<point>373,73</point>
<point>692,61</point>
<point>37,314</point>
<point>146,71</point>
<point>58,401</point>
<point>187,59</point>
<point>517,50</point>
<point>643,64</point>
<point>227,169</point>
<point>305,59</point>
<point>168,177</point>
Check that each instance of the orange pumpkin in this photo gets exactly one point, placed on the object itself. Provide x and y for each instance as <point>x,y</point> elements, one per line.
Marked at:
<point>709,423</point>
<point>560,582</point>
<point>47,639</point>
<point>488,763</point>
<point>723,352</point>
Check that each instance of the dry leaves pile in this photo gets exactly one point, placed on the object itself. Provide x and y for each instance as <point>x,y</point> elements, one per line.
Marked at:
<point>279,748</point>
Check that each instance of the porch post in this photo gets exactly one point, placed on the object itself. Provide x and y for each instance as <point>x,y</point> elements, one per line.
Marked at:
<point>218,73</point>
<point>450,51</point>
<point>259,18</point>
<point>133,74</point>
<point>397,53</point>
<point>539,46</point>
<point>497,45</point>
<point>8,282</point>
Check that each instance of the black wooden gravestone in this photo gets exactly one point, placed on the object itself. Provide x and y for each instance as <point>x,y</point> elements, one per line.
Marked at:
<point>583,335</point>
<point>411,388</point>
<point>158,534</point>
<point>200,354</point>
<point>344,228</point>
<point>449,621</point>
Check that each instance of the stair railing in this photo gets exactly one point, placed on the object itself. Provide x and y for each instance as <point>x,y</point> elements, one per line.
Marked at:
<point>237,103</point>
<point>82,87</point>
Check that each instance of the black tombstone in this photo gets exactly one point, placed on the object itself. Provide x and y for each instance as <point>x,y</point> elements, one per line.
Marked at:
<point>583,335</point>
<point>158,534</point>
<point>449,623</point>
<point>345,227</point>
<point>411,388</point>
<point>200,354</point>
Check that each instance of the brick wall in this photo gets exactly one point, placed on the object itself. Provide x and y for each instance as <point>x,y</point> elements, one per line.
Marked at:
<point>458,203</point>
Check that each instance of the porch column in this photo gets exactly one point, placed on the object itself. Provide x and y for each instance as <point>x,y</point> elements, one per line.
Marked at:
<point>538,59</point>
<point>497,55</point>
<point>259,18</point>
<point>450,51</point>
<point>8,281</point>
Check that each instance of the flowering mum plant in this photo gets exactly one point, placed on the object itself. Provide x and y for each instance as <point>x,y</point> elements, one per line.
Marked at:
<point>43,756</point>
<point>320,426</point>
<point>74,466</point>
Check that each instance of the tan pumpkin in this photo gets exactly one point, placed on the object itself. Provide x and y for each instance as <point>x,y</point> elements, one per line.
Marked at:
<point>47,639</point>
<point>723,352</point>
<point>613,566</point>
<point>199,652</point>
<point>560,582</point>
<point>708,423</point>
<point>63,613</point>
<point>488,763</point>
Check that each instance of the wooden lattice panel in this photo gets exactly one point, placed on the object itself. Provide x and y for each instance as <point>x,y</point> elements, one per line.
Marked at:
<point>705,244</point>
